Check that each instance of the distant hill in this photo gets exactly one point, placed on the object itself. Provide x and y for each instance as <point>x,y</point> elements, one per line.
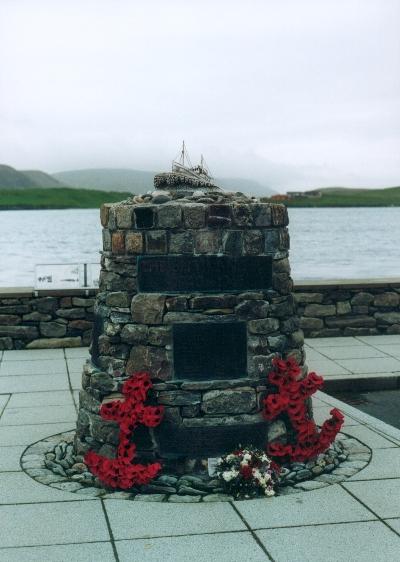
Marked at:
<point>10,178</point>
<point>137,181</point>
<point>60,198</point>
<point>349,197</point>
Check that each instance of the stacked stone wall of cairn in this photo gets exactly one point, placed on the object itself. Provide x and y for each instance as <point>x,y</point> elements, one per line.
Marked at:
<point>45,321</point>
<point>135,329</point>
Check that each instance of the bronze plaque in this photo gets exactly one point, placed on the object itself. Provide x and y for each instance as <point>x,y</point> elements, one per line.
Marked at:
<point>208,274</point>
<point>209,351</point>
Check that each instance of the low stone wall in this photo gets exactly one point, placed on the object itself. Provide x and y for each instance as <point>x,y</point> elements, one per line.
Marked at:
<point>349,308</point>
<point>45,319</point>
<point>51,319</point>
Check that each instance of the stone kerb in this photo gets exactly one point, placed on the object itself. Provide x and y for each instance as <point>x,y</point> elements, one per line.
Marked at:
<point>135,328</point>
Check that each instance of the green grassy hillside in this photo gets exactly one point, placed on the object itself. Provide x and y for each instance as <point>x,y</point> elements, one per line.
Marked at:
<point>343,197</point>
<point>59,198</point>
<point>10,178</point>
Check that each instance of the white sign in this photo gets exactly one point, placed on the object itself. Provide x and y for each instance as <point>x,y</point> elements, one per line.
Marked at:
<point>57,276</point>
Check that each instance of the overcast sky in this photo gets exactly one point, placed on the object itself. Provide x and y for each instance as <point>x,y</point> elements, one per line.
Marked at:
<point>293,93</point>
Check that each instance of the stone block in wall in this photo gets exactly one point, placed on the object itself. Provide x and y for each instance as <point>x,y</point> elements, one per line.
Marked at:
<point>123,216</point>
<point>252,309</point>
<point>271,241</point>
<point>82,325</point>
<point>22,332</point>
<point>54,343</point>
<point>253,242</point>
<point>134,333</point>
<point>10,319</point>
<point>160,335</point>
<point>279,215</point>
<point>65,302</point>
<point>232,242</point>
<point>277,430</point>
<point>15,309</point>
<point>179,398</point>
<point>208,242</point>
<point>308,298</point>
<point>213,301</point>
<point>194,215</point>
<point>134,242</point>
<point>104,214</point>
<point>387,318</point>
<point>242,215</point>
<point>6,343</point>
<point>118,242</point>
<point>45,304</point>
<point>119,299</point>
<point>348,331</point>
<point>282,283</point>
<point>181,243</point>
<point>351,322</point>
<point>343,307</point>
<point>144,217</point>
<point>152,359</point>
<point>169,216</point>
<point>263,326</point>
<point>311,324</point>
<point>394,329</point>
<point>156,242</point>
<point>258,345</point>
<point>362,309</point>
<point>148,308</point>
<point>36,316</point>
<point>106,236</point>
<point>387,300</point>
<point>362,299</point>
<point>277,343</point>
<point>237,401</point>
<point>53,329</point>
<point>319,310</point>
<point>262,214</point>
<point>71,313</point>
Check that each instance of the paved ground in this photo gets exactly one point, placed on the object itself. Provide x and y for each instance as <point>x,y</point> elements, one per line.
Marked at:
<point>356,521</point>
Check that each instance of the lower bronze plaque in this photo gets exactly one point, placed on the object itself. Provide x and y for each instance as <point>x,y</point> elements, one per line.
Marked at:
<point>200,442</point>
<point>181,274</point>
<point>210,350</point>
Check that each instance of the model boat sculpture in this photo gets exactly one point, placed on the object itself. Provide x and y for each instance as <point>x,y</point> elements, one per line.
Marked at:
<point>184,175</point>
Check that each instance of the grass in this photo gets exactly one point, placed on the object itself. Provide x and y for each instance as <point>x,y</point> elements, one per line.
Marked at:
<point>59,198</point>
<point>388,197</point>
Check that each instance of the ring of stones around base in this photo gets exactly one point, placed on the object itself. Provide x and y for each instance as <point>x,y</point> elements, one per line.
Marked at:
<point>34,462</point>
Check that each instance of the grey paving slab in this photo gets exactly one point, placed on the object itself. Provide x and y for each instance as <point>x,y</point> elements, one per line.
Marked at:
<point>38,415</point>
<point>328,505</point>
<point>379,340</point>
<point>351,352</point>
<point>313,355</point>
<point>29,399</point>
<point>327,367</point>
<point>52,523</point>
<point>32,354</point>
<point>226,547</point>
<point>4,399</point>
<point>352,542</point>
<point>371,365</point>
<point>18,487</point>
<point>9,457</point>
<point>25,435</point>
<point>389,349</point>
<point>44,367</point>
<point>83,552</point>
<point>316,343</point>
<point>384,464</point>
<point>395,524</point>
<point>322,414</point>
<point>382,496</point>
<point>76,380</point>
<point>76,364</point>
<point>371,438</point>
<point>74,352</point>
<point>131,520</point>
<point>37,383</point>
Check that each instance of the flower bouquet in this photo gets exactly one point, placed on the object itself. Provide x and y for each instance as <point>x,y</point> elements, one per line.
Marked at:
<point>247,473</point>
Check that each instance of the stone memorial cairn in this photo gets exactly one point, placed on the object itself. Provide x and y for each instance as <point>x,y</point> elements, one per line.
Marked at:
<point>195,289</point>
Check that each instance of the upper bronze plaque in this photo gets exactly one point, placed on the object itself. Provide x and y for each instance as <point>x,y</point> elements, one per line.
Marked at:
<point>209,274</point>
